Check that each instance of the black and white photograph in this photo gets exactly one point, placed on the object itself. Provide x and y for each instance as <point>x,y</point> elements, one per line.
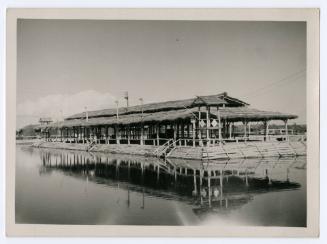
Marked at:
<point>161,123</point>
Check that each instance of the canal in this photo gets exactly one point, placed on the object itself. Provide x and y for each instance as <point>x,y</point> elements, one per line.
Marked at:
<point>75,187</point>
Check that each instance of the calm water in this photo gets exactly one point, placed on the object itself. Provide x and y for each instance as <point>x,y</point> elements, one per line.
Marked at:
<point>70,187</point>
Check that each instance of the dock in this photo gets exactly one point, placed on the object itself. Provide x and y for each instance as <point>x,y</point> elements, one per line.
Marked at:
<point>205,127</point>
<point>231,150</point>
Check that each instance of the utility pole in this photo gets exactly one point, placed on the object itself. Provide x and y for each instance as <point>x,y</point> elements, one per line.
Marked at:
<point>128,126</point>
<point>126,97</point>
<point>86,114</point>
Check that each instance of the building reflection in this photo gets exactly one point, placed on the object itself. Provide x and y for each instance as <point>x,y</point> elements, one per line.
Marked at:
<point>209,186</point>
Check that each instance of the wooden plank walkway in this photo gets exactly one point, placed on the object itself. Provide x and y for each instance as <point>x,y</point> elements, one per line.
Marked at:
<point>241,150</point>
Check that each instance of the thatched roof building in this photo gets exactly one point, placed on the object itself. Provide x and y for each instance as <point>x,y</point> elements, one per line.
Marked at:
<point>234,114</point>
<point>199,114</point>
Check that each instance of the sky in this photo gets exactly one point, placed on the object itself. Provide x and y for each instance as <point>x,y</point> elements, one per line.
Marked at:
<point>67,65</point>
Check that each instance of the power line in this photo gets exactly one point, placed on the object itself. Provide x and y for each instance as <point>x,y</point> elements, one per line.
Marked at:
<point>263,91</point>
<point>288,78</point>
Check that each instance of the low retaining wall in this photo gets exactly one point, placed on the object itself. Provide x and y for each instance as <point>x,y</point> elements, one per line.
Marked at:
<point>145,150</point>
<point>62,145</point>
<point>226,151</point>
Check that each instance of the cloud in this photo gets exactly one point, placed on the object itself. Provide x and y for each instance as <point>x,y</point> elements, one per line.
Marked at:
<point>57,106</point>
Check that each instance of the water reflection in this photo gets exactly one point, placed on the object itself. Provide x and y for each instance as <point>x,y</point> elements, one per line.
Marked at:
<point>209,187</point>
<point>75,187</point>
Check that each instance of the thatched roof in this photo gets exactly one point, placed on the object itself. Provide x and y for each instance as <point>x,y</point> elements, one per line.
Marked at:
<point>251,114</point>
<point>212,100</point>
<point>128,119</point>
<point>228,113</point>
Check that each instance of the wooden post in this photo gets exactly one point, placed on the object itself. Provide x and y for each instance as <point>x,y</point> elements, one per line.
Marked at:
<point>107,134</point>
<point>193,132</point>
<point>209,188</point>
<point>200,185</point>
<point>246,178</point>
<point>175,133</point>
<point>199,128</point>
<point>230,130</point>
<point>245,125</point>
<point>128,135</point>
<point>208,125</point>
<point>117,134</point>
<point>219,125</point>
<point>194,182</point>
<point>141,136</point>
<point>286,130</point>
<point>266,129</point>
<point>179,133</point>
<point>157,133</point>
<point>221,181</point>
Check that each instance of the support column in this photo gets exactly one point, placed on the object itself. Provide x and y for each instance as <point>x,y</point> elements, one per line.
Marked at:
<point>199,128</point>
<point>157,133</point>
<point>107,134</point>
<point>194,183</point>
<point>117,134</point>
<point>219,125</point>
<point>141,136</point>
<point>175,133</point>
<point>245,123</point>
<point>208,125</point>
<point>193,131</point>
<point>209,187</point>
<point>188,131</point>
<point>128,135</point>
<point>230,130</point>
<point>266,124</point>
<point>286,129</point>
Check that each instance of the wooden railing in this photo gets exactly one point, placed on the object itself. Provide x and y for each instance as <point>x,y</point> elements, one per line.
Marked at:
<point>181,141</point>
<point>161,150</point>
